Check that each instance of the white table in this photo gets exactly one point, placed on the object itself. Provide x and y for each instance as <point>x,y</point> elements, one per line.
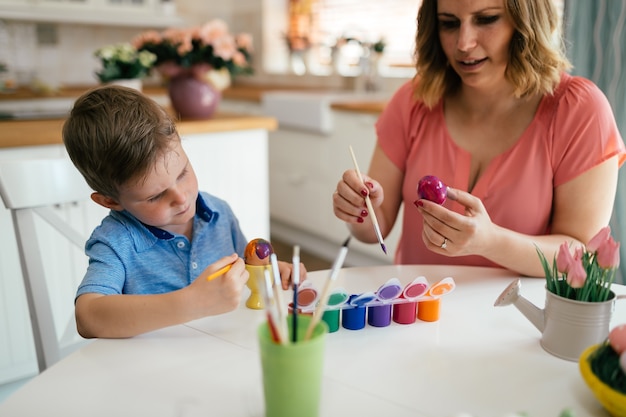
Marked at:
<point>477,359</point>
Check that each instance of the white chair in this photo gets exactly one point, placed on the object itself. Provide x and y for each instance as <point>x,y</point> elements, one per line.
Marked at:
<point>36,189</point>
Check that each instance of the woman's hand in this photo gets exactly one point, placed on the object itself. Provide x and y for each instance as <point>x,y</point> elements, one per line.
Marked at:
<point>467,234</point>
<point>349,197</point>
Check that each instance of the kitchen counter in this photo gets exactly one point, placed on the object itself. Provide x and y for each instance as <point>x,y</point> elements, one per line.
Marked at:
<point>364,106</point>
<point>241,92</point>
<point>14,133</point>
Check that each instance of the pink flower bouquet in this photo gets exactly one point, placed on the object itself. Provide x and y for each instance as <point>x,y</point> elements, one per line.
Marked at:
<point>587,274</point>
<point>198,49</point>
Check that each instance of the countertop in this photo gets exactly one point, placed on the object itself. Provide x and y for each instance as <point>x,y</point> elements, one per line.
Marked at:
<point>14,133</point>
<point>243,92</point>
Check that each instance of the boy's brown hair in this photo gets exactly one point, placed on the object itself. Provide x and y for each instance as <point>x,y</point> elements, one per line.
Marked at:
<point>114,135</point>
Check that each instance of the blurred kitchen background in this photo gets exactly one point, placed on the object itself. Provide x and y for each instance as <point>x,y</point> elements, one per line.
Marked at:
<point>329,43</point>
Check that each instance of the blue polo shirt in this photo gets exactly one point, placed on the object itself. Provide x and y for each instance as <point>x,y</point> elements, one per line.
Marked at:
<point>128,257</point>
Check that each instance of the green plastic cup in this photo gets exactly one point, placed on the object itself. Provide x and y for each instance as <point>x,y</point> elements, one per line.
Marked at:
<point>292,373</point>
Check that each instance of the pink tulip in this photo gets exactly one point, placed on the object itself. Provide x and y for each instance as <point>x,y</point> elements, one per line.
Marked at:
<point>577,275</point>
<point>617,339</point>
<point>608,254</point>
<point>564,258</point>
<point>602,236</point>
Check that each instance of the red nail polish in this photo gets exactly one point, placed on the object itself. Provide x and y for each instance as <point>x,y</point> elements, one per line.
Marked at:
<point>364,193</point>
<point>370,185</point>
<point>418,203</point>
<point>363,213</point>
<point>359,220</point>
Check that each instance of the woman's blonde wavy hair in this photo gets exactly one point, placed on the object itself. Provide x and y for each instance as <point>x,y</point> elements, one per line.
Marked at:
<point>536,57</point>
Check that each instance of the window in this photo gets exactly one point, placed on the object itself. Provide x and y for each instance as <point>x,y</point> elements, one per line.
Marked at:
<point>330,25</point>
<point>369,21</point>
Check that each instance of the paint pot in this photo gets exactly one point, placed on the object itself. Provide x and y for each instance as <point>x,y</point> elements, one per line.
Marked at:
<point>307,298</point>
<point>379,315</point>
<point>353,317</point>
<point>307,312</point>
<point>405,311</point>
<point>333,312</point>
<point>428,309</point>
<point>389,290</point>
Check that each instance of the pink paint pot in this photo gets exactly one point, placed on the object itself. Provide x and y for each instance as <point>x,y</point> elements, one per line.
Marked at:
<point>405,311</point>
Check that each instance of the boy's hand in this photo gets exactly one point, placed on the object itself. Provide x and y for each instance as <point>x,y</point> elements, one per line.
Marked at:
<point>285,270</point>
<point>223,293</point>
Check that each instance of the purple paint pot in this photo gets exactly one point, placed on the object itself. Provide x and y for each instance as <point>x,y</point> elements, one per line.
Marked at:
<point>389,290</point>
<point>353,317</point>
<point>405,312</point>
<point>379,316</point>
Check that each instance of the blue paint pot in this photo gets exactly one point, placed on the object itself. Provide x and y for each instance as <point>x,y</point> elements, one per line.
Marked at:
<point>353,317</point>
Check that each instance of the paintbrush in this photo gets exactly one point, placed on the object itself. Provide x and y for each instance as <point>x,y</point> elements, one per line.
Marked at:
<point>219,272</point>
<point>334,271</point>
<point>370,209</point>
<point>278,295</point>
<point>295,277</point>
<point>270,308</point>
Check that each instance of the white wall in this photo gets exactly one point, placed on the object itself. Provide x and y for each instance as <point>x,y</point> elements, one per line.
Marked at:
<point>70,61</point>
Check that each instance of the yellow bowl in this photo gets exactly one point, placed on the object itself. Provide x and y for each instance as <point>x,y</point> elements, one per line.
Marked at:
<point>613,401</point>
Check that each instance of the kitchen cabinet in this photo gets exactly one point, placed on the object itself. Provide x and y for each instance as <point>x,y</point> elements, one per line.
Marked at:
<point>230,158</point>
<point>307,161</point>
<point>304,170</point>
<point>135,13</point>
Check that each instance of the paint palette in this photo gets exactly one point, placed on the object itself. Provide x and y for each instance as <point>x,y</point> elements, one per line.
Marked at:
<point>390,302</point>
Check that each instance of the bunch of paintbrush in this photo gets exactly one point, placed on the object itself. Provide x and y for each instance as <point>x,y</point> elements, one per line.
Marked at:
<point>334,272</point>
<point>271,291</point>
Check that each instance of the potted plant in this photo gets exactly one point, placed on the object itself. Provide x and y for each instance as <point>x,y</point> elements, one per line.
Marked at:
<point>197,63</point>
<point>123,64</point>
<point>603,368</point>
<point>579,301</point>
<point>586,275</point>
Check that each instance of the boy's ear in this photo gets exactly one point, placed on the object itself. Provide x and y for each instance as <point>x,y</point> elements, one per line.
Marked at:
<point>107,202</point>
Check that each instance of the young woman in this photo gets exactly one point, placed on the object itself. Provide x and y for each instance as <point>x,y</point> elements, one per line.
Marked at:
<point>530,154</point>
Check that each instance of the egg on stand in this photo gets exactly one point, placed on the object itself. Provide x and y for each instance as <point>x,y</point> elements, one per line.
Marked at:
<point>257,258</point>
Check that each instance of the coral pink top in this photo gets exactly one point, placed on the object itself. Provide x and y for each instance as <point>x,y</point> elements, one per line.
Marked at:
<point>573,131</point>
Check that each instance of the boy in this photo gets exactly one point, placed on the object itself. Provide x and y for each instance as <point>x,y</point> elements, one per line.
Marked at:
<point>149,259</point>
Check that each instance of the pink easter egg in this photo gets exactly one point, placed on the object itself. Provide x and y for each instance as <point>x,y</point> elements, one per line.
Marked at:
<point>617,339</point>
<point>432,188</point>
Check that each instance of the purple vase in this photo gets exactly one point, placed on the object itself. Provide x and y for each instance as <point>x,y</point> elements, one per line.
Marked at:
<point>192,98</point>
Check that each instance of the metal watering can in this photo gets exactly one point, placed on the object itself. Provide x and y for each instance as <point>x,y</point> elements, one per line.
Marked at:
<point>567,326</point>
